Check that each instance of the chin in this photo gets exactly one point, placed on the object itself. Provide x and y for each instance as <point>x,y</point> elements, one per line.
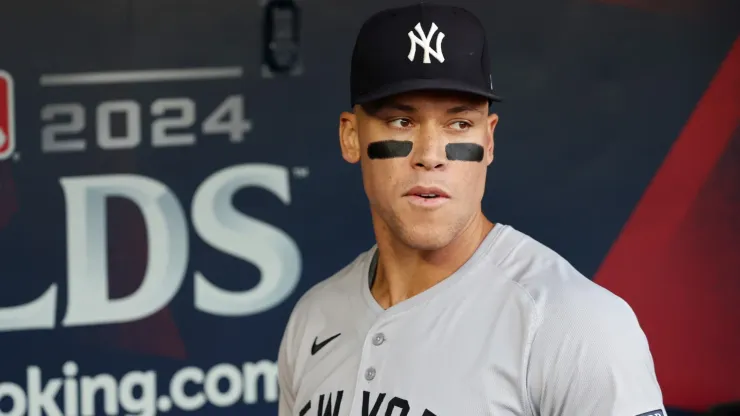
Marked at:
<point>426,238</point>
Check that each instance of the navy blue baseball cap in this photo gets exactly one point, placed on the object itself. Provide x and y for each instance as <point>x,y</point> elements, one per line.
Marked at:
<point>420,47</point>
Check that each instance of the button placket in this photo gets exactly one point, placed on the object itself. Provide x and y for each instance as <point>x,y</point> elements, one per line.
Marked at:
<point>370,354</point>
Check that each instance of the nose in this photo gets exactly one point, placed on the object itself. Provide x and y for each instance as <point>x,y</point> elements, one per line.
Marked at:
<point>429,151</point>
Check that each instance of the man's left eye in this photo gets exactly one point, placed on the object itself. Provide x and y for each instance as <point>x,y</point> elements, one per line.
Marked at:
<point>461,125</point>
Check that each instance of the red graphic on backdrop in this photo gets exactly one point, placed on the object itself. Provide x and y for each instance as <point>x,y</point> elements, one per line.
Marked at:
<point>7,120</point>
<point>676,261</point>
<point>8,202</point>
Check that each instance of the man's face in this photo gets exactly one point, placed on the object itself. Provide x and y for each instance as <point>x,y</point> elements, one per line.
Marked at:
<point>424,158</point>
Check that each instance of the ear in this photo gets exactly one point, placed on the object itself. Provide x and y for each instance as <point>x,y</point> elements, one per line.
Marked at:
<point>491,126</point>
<point>349,139</point>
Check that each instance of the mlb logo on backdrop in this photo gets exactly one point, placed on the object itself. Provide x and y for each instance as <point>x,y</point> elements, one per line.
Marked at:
<point>7,121</point>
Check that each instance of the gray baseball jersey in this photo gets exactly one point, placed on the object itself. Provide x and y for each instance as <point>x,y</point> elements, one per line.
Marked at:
<point>515,331</point>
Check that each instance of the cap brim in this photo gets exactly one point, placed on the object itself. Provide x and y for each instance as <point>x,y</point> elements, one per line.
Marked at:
<point>425,85</point>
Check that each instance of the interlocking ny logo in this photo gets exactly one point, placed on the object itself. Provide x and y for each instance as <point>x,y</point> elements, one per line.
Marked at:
<point>424,40</point>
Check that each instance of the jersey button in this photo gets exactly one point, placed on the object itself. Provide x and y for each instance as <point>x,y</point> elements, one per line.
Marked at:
<point>369,374</point>
<point>378,339</point>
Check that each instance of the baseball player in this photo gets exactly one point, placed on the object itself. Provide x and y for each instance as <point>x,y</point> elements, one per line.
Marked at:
<point>449,314</point>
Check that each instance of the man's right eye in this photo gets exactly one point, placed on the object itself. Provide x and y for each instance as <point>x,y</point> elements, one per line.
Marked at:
<point>400,123</point>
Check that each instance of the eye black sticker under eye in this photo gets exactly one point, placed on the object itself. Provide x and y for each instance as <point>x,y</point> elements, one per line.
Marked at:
<point>469,152</point>
<point>387,149</point>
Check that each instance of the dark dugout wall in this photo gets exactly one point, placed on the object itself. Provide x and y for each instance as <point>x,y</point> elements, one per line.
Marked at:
<point>170,185</point>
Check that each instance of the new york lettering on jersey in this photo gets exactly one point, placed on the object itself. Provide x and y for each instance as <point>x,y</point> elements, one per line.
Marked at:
<point>330,404</point>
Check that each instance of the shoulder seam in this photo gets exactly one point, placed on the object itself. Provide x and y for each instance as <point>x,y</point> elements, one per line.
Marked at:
<point>534,322</point>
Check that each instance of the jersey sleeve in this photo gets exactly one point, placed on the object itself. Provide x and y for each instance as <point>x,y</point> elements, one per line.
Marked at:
<point>589,356</point>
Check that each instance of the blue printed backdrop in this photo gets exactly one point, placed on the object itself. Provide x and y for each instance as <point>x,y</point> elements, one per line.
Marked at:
<point>156,233</point>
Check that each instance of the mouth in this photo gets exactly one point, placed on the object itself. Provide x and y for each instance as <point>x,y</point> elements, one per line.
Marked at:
<point>427,193</point>
<point>427,196</point>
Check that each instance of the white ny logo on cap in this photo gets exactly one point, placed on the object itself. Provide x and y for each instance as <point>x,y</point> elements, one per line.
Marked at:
<point>424,40</point>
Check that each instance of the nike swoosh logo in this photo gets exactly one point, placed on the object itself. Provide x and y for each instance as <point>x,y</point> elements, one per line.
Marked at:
<point>317,347</point>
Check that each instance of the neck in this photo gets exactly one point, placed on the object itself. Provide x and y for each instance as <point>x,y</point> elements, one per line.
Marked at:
<point>404,272</point>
